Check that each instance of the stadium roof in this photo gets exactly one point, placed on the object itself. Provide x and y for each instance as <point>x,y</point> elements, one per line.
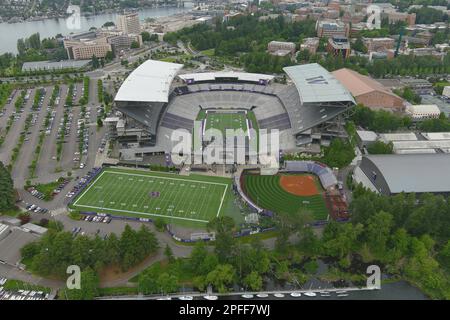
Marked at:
<point>150,82</point>
<point>212,76</point>
<point>414,172</point>
<point>315,84</point>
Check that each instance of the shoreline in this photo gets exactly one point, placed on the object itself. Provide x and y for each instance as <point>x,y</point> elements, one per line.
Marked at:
<point>14,20</point>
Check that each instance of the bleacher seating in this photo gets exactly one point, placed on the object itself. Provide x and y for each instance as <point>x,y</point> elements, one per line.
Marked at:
<point>325,174</point>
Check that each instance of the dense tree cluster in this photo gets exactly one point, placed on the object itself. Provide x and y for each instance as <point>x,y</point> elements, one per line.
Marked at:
<point>379,147</point>
<point>7,194</point>
<point>54,252</point>
<point>379,120</point>
<point>442,124</point>
<point>409,233</point>
<point>408,94</point>
<point>427,15</point>
<point>248,37</point>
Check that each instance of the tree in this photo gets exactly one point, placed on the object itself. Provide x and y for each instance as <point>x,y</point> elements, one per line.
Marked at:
<point>7,195</point>
<point>379,147</point>
<point>135,45</point>
<point>99,123</point>
<point>378,231</point>
<point>253,281</point>
<point>221,277</point>
<point>168,253</point>
<point>167,283</point>
<point>95,62</point>
<point>146,36</point>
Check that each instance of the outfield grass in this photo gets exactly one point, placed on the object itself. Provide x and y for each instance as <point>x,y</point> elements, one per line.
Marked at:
<point>266,192</point>
<point>187,200</point>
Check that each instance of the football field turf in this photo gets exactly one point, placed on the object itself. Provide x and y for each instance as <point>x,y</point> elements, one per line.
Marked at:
<point>195,199</point>
<point>223,121</point>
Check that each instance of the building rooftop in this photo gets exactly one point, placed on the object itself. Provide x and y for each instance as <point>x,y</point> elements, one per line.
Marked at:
<point>315,84</point>
<point>11,245</point>
<point>414,172</point>
<point>150,82</point>
<point>357,83</point>
<point>52,65</point>
<point>213,76</point>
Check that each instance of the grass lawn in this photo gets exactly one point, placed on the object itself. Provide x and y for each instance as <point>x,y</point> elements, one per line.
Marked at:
<point>209,52</point>
<point>267,192</point>
<point>47,189</point>
<point>185,200</point>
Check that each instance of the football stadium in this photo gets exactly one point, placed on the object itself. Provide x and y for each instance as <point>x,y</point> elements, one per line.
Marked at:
<point>158,98</point>
<point>307,107</point>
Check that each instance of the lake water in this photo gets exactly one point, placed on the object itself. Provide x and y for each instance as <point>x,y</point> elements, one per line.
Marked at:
<point>11,32</point>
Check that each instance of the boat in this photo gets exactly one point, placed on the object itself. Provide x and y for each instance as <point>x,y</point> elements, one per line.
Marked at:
<point>309,294</point>
<point>343,295</point>
<point>278,295</point>
<point>164,298</point>
<point>186,298</point>
<point>262,295</point>
<point>341,291</point>
<point>247,296</point>
<point>209,297</point>
<point>296,294</point>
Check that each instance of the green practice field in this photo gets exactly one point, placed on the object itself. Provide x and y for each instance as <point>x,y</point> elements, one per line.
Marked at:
<point>266,192</point>
<point>191,200</point>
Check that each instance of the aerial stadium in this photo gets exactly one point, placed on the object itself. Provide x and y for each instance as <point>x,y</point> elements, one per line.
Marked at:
<point>158,98</point>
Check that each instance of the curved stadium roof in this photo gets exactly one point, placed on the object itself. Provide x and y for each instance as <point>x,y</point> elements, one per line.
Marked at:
<point>150,82</point>
<point>212,76</point>
<point>316,85</point>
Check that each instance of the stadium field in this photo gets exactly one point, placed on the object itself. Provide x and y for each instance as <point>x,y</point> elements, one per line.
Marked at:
<point>223,121</point>
<point>268,193</point>
<point>194,199</point>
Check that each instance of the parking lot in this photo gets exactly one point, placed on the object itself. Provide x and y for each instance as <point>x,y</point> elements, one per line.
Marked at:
<point>21,294</point>
<point>81,137</point>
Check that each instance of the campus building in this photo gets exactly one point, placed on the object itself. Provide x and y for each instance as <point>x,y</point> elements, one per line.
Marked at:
<point>129,23</point>
<point>368,91</point>
<point>339,46</point>
<point>331,28</point>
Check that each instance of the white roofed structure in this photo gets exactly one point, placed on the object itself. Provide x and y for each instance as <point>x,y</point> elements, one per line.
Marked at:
<point>214,76</point>
<point>316,85</point>
<point>423,111</point>
<point>150,82</point>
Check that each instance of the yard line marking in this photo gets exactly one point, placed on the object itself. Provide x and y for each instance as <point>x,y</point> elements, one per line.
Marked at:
<point>95,181</point>
<point>162,177</point>
<point>221,202</point>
